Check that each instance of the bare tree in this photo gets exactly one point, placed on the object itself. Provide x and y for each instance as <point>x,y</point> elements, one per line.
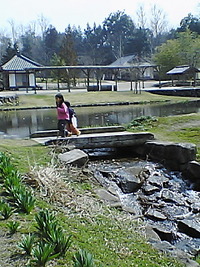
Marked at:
<point>43,23</point>
<point>158,22</point>
<point>13,30</point>
<point>142,20</point>
<point>32,27</point>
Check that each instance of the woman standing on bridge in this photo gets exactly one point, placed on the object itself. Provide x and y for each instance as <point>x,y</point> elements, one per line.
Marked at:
<point>62,115</point>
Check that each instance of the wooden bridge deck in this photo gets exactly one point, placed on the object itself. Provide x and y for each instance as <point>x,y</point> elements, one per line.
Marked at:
<point>99,140</point>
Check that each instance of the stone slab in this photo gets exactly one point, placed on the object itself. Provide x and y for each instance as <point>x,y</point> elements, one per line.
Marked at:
<point>100,140</point>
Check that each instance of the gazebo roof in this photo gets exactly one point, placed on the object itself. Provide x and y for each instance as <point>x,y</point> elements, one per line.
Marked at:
<point>19,63</point>
<point>180,70</point>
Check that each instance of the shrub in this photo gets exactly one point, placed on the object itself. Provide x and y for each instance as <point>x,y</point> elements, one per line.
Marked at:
<point>13,226</point>
<point>43,253</point>
<point>50,232</point>
<point>25,201</point>
<point>5,210</point>
<point>27,243</point>
<point>142,121</point>
<point>83,259</point>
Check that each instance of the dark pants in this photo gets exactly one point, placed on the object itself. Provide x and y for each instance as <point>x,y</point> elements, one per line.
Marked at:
<point>62,127</point>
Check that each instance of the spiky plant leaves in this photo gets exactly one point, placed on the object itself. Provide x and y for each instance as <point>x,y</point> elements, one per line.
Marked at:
<point>13,226</point>
<point>5,210</point>
<point>51,232</point>
<point>4,163</point>
<point>83,259</point>
<point>27,243</point>
<point>12,180</point>
<point>43,253</point>
<point>46,222</point>
<point>61,242</point>
<point>25,201</point>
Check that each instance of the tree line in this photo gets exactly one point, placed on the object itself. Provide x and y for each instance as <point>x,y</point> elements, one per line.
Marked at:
<point>117,36</point>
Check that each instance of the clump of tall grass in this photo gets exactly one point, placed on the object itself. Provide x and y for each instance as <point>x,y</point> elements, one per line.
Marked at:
<point>27,243</point>
<point>5,210</point>
<point>13,226</point>
<point>83,258</point>
<point>50,232</point>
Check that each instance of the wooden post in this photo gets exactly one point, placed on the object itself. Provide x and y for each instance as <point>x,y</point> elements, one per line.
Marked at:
<point>35,81</point>
<point>26,81</point>
<point>194,79</point>
<point>58,81</point>
<point>87,73</point>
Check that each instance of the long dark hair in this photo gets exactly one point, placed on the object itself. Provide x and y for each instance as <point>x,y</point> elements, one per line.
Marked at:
<point>61,97</point>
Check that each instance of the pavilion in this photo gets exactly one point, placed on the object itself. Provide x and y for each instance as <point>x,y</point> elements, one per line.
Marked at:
<point>19,73</point>
<point>184,72</point>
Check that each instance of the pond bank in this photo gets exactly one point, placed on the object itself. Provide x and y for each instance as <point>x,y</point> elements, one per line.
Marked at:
<point>77,99</point>
<point>176,91</point>
<point>16,107</point>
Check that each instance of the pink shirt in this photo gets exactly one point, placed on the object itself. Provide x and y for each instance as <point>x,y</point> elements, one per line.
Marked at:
<point>63,112</point>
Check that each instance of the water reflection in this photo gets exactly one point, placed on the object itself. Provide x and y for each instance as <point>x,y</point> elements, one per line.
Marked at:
<point>22,123</point>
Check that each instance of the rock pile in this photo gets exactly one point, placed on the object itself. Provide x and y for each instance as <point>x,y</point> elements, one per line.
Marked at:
<point>166,201</point>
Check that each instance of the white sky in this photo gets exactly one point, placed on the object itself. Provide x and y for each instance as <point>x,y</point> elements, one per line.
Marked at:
<point>60,13</point>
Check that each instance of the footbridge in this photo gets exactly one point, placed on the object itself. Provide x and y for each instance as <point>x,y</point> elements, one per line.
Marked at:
<point>91,138</point>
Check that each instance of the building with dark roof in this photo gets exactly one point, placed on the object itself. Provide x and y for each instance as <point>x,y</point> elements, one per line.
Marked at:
<point>18,73</point>
<point>144,68</point>
<point>183,73</point>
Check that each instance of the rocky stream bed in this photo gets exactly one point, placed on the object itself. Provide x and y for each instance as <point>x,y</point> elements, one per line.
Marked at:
<point>166,201</point>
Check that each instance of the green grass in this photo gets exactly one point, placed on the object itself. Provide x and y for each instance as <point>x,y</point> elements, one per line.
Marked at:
<point>180,129</point>
<point>82,98</point>
<point>113,243</point>
<point>25,153</point>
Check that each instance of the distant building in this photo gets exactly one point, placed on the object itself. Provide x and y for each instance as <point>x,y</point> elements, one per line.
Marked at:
<point>140,68</point>
<point>183,74</point>
<point>16,73</point>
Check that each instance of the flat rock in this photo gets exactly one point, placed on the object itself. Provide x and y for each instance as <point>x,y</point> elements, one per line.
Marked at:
<point>75,157</point>
<point>155,214</point>
<point>191,227</point>
<point>107,196</point>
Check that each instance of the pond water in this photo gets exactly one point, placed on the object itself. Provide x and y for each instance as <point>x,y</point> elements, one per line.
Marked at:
<point>24,122</point>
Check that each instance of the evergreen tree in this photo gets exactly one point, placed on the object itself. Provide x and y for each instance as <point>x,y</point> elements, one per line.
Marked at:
<point>67,50</point>
<point>190,23</point>
<point>10,52</point>
<point>51,43</point>
<point>68,55</point>
<point>118,27</point>
<point>139,43</point>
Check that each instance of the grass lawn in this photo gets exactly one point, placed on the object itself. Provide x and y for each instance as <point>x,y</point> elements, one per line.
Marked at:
<point>179,129</point>
<point>89,98</point>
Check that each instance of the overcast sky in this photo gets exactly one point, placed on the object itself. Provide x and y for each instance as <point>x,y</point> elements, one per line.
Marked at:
<point>60,13</point>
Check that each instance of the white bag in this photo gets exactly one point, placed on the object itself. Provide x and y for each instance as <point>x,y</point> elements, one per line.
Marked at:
<point>74,121</point>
